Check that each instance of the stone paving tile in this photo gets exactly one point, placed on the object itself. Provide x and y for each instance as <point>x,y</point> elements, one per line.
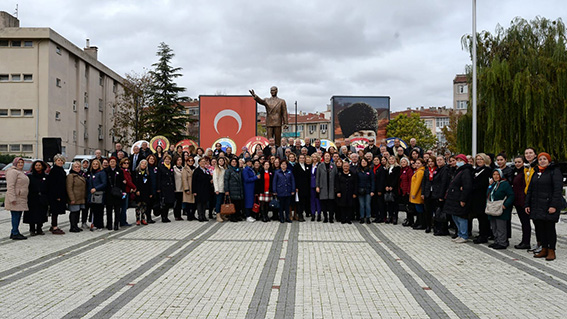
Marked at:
<point>209,270</point>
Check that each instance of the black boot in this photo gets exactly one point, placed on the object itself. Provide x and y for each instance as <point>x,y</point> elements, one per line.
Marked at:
<point>395,219</point>
<point>319,217</point>
<point>312,217</point>
<point>116,225</point>
<point>362,220</point>
<point>326,217</point>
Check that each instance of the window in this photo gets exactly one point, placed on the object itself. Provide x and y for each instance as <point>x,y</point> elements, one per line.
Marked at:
<point>4,78</point>
<point>17,43</point>
<point>28,112</point>
<point>441,122</point>
<point>100,135</point>
<point>15,112</point>
<point>4,43</point>
<point>3,112</point>
<point>101,79</point>
<point>300,128</point>
<point>462,89</point>
<point>428,124</point>
<point>27,148</point>
<point>16,77</point>
<point>86,100</point>
<point>312,128</point>
<point>14,147</point>
<point>462,105</point>
<point>57,116</point>
<point>323,127</point>
<point>74,105</point>
<point>3,147</point>
<point>58,50</point>
<point>100,105</point>
<point>74,136</point>
<point>58,82</point>
<point>114,87</point>
<point>64,150</point>
<point>28,77</point>
<point>76,62</point>
<point>28,44</point>
<point>86,71</point>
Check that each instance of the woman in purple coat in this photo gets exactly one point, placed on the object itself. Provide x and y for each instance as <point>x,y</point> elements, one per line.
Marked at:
<point>315,203</point>
<point>249,177</point>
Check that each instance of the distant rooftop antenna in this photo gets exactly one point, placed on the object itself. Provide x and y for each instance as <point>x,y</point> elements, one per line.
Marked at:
<point>16,12</point>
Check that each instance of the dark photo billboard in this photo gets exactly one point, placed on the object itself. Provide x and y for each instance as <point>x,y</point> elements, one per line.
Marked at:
<point>360,117</point>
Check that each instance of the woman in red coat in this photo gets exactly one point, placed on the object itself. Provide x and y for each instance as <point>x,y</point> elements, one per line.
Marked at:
<point>406,174</point>
<point>130,191</point>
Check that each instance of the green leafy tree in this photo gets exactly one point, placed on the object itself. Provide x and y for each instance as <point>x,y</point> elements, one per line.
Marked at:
<point>165,114</point>
<point>522,88</point>
<point>129,122</point>
<point>407,127</point>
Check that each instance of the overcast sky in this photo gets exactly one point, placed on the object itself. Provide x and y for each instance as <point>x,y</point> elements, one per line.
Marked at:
<point>409,50</point>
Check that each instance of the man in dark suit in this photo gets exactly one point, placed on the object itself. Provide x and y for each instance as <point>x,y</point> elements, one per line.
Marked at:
<point>309,147</point>
<point>135,158</point>
<point>372,148</point>
<point>412,146</point>
<point>319,147</point>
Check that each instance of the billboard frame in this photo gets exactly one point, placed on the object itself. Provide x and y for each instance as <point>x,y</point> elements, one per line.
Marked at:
<point>354,96</point>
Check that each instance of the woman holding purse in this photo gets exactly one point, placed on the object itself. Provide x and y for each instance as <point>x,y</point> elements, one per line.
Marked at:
<point>500,193</point>
<point>96,186</point>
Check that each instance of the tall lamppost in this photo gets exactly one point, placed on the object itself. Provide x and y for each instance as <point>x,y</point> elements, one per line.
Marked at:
<point>474,110</point>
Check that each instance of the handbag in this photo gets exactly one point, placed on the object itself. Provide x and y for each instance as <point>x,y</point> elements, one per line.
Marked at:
<point>116,192</point>
<point>494,207</point>
<point>256,206</point>
<point>227,208</point>
<point>439,215</point>
<point>97,197</point>
<point>389,197</point>
<point>274,204</point>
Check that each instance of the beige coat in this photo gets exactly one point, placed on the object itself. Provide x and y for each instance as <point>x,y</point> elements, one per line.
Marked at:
<point>76,188</point>
<point>178,175</point>
<point>187,180</point>
<point>17,184</point>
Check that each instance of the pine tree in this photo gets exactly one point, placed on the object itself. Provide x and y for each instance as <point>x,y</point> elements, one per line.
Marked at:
<point>165,115</point>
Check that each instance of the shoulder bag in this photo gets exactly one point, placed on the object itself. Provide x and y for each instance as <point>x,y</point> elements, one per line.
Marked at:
<point>389,197</point>
<point>97,197</point>
<point>227,208</point>
<point>256,207</point>
<point>494,207</point>
<point>274,203</point>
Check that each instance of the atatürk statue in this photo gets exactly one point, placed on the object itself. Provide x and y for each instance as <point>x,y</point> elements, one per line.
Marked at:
<point>276,113</point>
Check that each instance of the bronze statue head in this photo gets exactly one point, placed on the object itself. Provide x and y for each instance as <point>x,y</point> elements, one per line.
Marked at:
<point>274,91</point>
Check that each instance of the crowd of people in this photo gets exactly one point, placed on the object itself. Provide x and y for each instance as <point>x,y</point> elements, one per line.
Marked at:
<point>294,182</point>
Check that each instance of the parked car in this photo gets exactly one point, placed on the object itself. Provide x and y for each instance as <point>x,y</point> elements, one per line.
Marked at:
<point>27,169</point>
<point>80,158</point>
<point>67,167</point>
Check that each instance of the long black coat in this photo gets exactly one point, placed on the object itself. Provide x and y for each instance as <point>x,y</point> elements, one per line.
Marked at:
<point>114,178</point>
<point>166,183</point>
<point>545,192</point>
<point>380,180</point>
<point>393,179</point>
<point>233,183</point>
<point>302,180</point>
<point>201,185</point>
<point>346,185</point>
<point>143,184</point>
<point>459,190</point>
<point>37,199</point>
<point>436,188</point>
<point>481,181</point>
<point>57,190</point>
<point>259,184</point>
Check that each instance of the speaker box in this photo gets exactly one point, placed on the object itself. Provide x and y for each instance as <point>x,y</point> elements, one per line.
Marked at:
<point>51,147</point>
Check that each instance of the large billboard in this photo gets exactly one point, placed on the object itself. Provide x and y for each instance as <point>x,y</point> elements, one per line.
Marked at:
<point>360,117</point>
<point>226,116</point>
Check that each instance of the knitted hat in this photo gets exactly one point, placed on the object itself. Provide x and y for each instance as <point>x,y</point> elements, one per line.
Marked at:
<point>358,116</point>
<point>499,172</point>
<point>544,154</point>
<point>462,157</point>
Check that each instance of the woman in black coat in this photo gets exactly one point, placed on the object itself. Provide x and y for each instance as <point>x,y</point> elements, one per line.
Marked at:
<point>346,186</point>
<point>481,180</point>
<point>391,185</point>
<point>201,185</point>
<point>115,189</point>
<point>302,175</point>
<point>544,203</point>
<point>458,197</point>
<point>57,192</point>
<point>264,190</point>
<point>434,187</point>
<point>165,187</point>
<point>37,199</point>
<point>144,192</point>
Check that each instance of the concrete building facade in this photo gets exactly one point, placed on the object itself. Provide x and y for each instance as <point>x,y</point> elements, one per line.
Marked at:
<point>52,88</point>
<point>460,93</point>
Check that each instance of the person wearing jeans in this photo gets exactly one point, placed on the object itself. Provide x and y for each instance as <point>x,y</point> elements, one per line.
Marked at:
<point>365,189</point>
<point>16,200</point>
<point>458,196</point>
<point>284,189</point>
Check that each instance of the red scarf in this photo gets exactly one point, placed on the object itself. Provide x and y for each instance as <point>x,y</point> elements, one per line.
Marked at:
<point>542,169</point>
<point>432,172</point>
<point>376,168</point>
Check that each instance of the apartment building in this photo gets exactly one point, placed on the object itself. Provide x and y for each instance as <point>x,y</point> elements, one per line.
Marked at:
<point>435,118</point>
<point>49,87</point>
<point>460,93</point>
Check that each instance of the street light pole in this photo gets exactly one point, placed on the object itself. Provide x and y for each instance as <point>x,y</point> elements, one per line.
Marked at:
<point>474,110</point>
<point>296,131</point>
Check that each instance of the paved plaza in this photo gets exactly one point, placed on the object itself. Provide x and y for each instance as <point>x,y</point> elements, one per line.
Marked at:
<point>272,270</point>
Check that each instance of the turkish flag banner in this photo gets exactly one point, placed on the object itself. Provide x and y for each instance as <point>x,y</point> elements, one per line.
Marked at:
<point>226,116</point>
